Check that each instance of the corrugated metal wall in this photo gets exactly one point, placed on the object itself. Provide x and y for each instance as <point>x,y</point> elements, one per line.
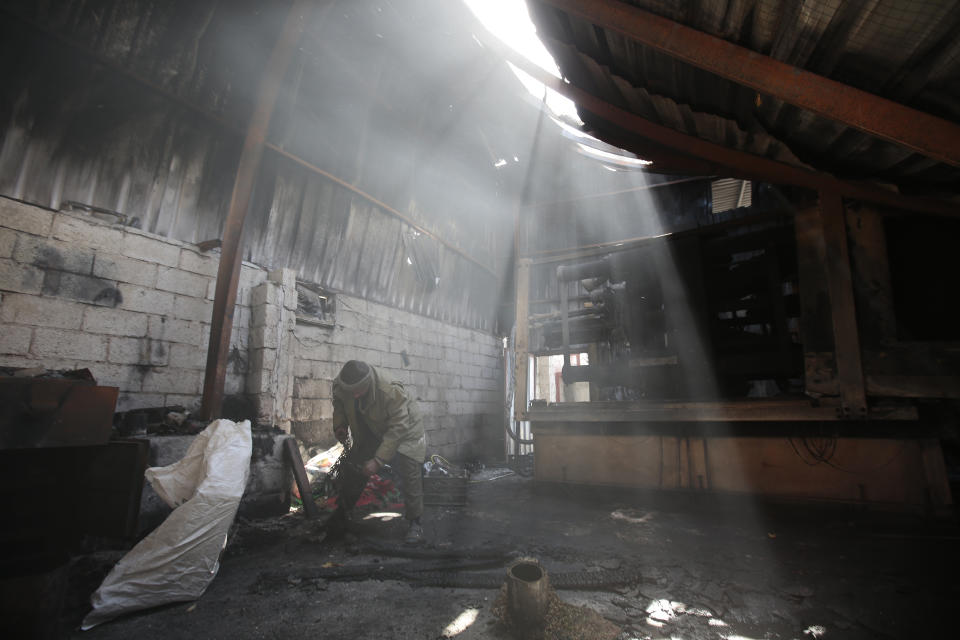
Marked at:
<point>140,107</point>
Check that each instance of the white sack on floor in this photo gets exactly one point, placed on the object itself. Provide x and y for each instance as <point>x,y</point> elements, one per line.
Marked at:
<point>177,561</point>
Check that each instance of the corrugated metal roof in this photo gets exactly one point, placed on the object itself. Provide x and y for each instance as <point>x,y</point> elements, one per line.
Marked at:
<point>904,51</point>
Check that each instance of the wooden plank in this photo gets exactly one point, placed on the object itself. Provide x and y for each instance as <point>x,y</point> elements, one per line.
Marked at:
<point>730,411</point>
<point>871,276</point>
<point>816,329</point>
<point>853,394</point>
<point>914,386</point>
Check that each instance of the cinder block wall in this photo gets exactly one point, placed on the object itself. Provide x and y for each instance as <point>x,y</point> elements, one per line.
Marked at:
<point>135,309</point>
<point>132,307</point>
<point>456,375</point>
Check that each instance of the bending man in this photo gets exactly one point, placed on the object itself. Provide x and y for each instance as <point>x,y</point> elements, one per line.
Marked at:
<point>386,428</point>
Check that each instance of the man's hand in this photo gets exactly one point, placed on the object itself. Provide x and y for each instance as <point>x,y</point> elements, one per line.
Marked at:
<point>341,434</point>
<point>371,467</point>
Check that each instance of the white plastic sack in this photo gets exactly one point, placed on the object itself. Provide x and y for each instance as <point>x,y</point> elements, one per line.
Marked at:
<point>179,559</point>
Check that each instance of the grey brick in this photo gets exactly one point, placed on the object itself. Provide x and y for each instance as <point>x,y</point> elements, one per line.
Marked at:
<point>20,278</point>
<point>52,254</point>
<point>170,380</point>
<point>86,233</point>
<point>186,356</point>
<point>136,298</point>
<point>192,401</point>
<point>173,330</point>
<point>264,315</point>
<point>310,388</point>
<point>139,351</point>
<point>182,282</point>
<point>204,264</point>
<point>150,249</point>
<point>187,308</point>
<point>57,343</point>
<point>115,322</point>
<point>122,269</point>
<point>262,338</point>
<point>24,217</point>
<point>125,377</point>
<point>41,312</point>
<point>265,293</point>
<point>8,238</point>
<point>15,340</point>
<point>129,400</point>
<point>74,286</point>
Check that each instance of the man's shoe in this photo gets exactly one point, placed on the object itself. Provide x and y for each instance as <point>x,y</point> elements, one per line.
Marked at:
<point>414,534</point>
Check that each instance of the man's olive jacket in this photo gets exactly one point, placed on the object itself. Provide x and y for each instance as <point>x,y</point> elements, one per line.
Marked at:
<point>387,411</point>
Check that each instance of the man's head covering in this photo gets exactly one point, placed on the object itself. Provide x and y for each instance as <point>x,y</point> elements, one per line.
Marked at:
<point>355,376</point>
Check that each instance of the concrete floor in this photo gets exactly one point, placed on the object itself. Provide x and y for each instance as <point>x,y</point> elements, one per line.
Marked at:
<point>708,568</point>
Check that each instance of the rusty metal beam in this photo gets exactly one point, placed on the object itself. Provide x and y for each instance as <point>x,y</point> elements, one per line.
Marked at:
<point>891,121</point>
<point>228,273</point>
<point>729,162</point>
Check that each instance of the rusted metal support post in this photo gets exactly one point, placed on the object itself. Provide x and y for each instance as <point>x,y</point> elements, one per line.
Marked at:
<point>846,338</point>
<point>522,342</point>
<point>918,131</point>
<point>228,273</point>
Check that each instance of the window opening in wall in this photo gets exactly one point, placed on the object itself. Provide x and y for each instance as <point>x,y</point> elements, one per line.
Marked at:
<point>315,305</point>
<point>549,379</point>
<point>730,193</point>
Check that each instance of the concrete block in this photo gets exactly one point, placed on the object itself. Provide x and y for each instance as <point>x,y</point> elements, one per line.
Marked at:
<point>129,400</point>
<point>125,377</point>
<point>86,233</point>
<point>264,315</point>
<point>171,380</point>
<point>115,322</point>
<point>212,291</point>
<point>264,293</point>
<point>8,239</point>
<point>185,356</point>
<point>20,278</point>
<point>286,278</point>
<point>83,288</point>
<point>262,360</point>
<point>42,312</point>
<point>310,388</point>
<point>312,409</point>
<point>24,217</point>
<point>172,330</point>
<point>15,340</point>
<point>53,254</point>
<point>206,264</point>
<point>149,249</point>
<point>186,308</point>
<point>57,343</point>
<point>122,269</point>
<point>182,282</point>
<point>262,338</point>
<point>251,276</point>
<point>139,351</point>
<point>191,402</point>
<point>136,298</point>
